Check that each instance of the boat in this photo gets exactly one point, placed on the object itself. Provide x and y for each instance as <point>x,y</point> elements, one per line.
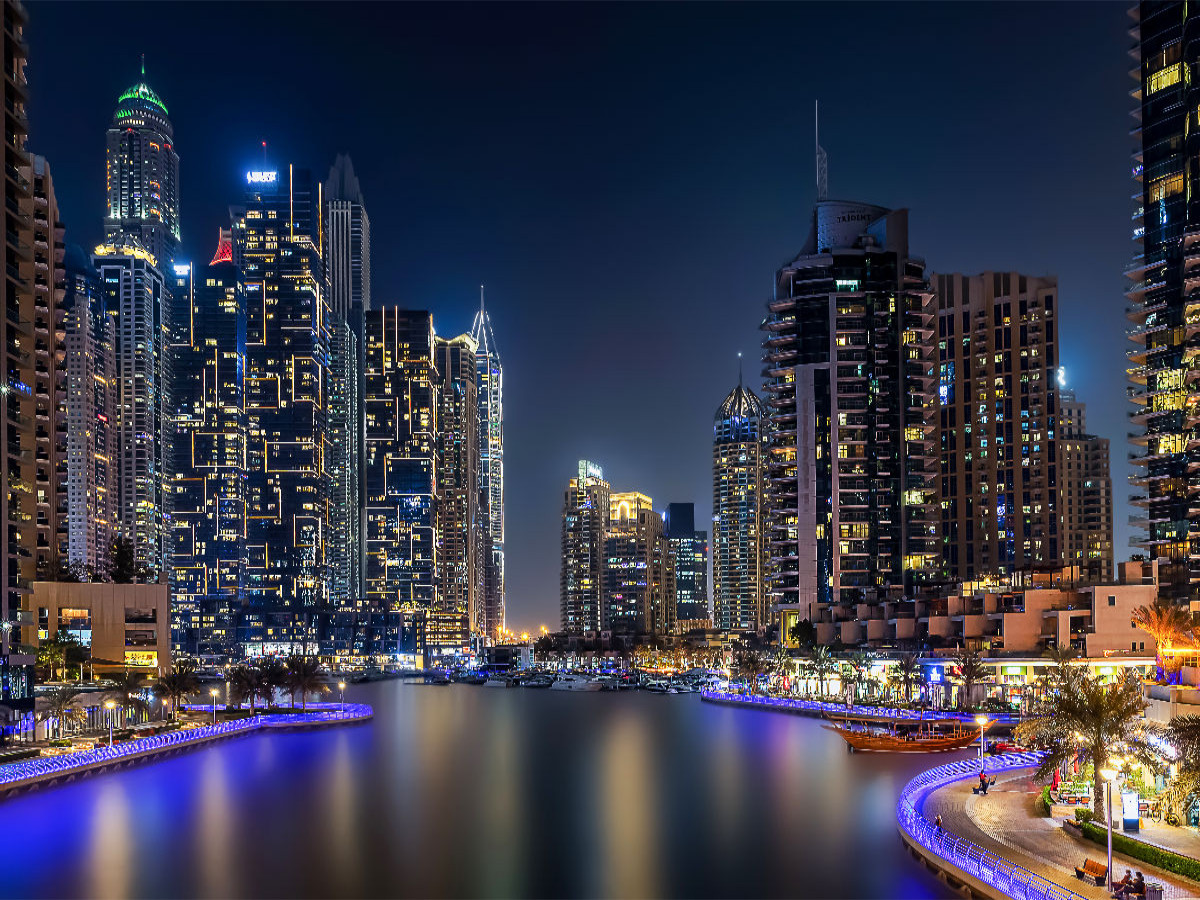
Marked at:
<point>539,681</point>
<point>660,687</point>
<point>501,681</point>
<point>880,734</point>
<point>575,683</point>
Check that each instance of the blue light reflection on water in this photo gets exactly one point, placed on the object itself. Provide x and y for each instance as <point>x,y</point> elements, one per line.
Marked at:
<point>468,791</point>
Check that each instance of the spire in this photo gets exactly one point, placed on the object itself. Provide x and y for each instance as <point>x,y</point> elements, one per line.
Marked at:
<point>143,67</point>
<point>481,298</point>
<point>739,369</point>
<point>822,159</point>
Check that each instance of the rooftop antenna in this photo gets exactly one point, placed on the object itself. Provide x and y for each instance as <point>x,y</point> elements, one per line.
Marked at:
<point>264,143</point>
<point>822,159</point>
<point>143,66</point>
<point>739,369</point>
<point>481,298</point>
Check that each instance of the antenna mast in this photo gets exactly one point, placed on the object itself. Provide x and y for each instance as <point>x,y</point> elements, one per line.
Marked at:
<point>822,159</point>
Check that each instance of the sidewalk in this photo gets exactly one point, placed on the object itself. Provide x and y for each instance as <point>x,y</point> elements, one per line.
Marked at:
<point>1004,822</point>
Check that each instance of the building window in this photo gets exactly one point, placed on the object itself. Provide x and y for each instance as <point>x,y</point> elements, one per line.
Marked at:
<point>1112,601</point>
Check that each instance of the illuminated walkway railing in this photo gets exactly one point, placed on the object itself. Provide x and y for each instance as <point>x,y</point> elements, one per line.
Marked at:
<point>42,769</point>
<point>995,871</point>
<point>817,707</point>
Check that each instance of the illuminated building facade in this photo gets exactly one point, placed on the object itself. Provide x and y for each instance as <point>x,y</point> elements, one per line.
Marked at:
<point>999,460</point>
<point>739,464</point>
<point>209,500</point>
<point>1164,306</point>
<point>490,393</point>
<point>43,273</point>
<point>584,524</point>
<point>142,173</point>
<point>1085,493</point>
<point>689,548</point>
<point>849,369</point>
<point>277,245</point>
<point>16,525</point>
<point>92,390</point>
<point>459,523</point>
<point>638,573</point>
<point>400,465</point>
<point>348,264</point>
<point>134,292</point>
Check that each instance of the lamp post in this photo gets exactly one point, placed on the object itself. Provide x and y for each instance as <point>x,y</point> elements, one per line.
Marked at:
<point>981,720</point>
<point>1109,775</point>
<point>213,693</point>
<point>110,705</point>
<point>341,699</point>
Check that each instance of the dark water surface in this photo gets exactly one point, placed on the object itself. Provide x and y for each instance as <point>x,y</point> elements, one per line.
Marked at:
<point>480,792</point>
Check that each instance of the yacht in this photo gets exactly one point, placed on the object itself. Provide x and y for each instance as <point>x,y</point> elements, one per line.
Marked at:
<point>498,681</point>
<point>575,683</point>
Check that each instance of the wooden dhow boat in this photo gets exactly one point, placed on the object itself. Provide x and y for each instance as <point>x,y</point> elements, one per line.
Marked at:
<point>887,735</point>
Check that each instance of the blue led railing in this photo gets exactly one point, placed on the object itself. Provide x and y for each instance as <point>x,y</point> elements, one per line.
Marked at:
<point>995,871</point>
<point>821,706</point>
<point>26,770</point>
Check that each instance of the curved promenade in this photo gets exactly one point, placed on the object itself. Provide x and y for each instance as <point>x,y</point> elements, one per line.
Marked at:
<point>818,708</point>
<point>977,871</point>
<point>68,767</point>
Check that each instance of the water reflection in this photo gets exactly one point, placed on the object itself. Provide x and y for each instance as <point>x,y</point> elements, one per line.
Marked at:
<point>466,791</point>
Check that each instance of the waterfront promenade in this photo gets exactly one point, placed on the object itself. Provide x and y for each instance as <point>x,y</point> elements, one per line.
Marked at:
<point>45,771</point>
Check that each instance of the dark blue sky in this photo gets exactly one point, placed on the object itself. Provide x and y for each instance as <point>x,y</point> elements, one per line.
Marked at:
<point>627,178</point>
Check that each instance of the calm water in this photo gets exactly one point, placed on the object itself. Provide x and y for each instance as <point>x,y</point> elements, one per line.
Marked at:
<point>471,791</point>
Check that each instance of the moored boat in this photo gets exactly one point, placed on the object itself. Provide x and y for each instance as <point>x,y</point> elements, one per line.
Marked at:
<point>882,735</point>
<point>570,682</point>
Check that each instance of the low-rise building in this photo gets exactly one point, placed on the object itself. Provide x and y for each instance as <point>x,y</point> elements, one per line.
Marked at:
<point>124,626</point>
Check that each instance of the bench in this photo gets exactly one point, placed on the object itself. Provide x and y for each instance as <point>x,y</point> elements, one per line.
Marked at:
<point>1092,871</point>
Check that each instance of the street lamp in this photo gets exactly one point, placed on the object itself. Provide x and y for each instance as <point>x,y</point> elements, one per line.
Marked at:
<point>341,698</point>
<point>110,705</point>
<point>981,720</point>
<point>1109,775</point>
<point>213,693</point>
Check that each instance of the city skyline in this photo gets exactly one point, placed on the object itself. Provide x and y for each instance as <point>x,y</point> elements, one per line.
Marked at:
<point>454,223</point>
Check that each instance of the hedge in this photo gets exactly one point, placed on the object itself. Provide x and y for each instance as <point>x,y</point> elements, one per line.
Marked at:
<point>1147,853</point>
<point>1046,801</point>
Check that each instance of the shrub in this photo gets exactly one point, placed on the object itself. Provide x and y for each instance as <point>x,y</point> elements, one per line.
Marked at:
<point>1147,853</point>
<point>1084,816</point>
<point>1045,801</point>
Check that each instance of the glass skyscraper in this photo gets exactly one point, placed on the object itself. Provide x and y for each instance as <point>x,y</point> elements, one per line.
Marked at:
<point>490,385</point>
<point>689,548</point>
<point>584,526</point>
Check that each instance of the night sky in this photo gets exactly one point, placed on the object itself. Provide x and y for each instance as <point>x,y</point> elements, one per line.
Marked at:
<point>625,179</point>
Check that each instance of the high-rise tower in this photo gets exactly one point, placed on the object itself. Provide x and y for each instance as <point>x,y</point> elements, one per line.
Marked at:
<point>848,362</point>
<point>1164,304</point>
<point>142,173</point>
<point>690,550</point>
<point>739,469</point>
<point>348,264</point>
<point>277,246</point>
<point>584,525</point>
<point>490,375</point>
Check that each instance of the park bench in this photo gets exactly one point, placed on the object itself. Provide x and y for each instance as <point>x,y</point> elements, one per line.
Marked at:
<point>1092,871</point>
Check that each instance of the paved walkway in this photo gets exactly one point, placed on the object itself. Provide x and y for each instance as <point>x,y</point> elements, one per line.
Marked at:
<point>1005,822</point>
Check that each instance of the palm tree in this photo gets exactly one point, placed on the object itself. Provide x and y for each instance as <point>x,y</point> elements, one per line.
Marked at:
<point>64,706</point>
<point>747,664</point>
<point>129,687</point>
<point>1101,719</point>
<point>244,685</point>
<point>823,665</point>
<point>177,683</point>
<point>971,670</point>
<point>272,677</point>
<point>861,664</point>
<point>304,677</point>
<point>908,670</point>
<point>851,677</point>
<point>1167,624</point>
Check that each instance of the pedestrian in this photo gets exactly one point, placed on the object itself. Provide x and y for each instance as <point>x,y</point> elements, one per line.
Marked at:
<point>983,782</point>
<point>937,823</point>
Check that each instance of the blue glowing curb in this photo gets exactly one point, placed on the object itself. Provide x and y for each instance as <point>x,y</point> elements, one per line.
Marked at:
<point>995,871</point>
<point>14,774</point>
<point>819,707</point>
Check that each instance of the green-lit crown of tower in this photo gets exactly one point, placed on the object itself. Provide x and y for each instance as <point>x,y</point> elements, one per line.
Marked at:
<point>141,96</point>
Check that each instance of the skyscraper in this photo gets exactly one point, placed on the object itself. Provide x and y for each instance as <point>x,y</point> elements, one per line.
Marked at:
<point>16,531</point>
<point>400,465</point>
<point>584,525</point>
<point>1163,302</point>
<point>135,293</point>
<point>142,173</point>
<point>348,264</point>
<point>277,246</point>
<point>43,272</point>
<point>689,549</point>
<point>460,545</point>
<point>209,501</point>
<point>490,392</point>
<point>999,465</point>
<point>848,362</point>
<point>92,407</point>
<point>1085,492</point>
<point>739,471</point>
<point>638,580</point>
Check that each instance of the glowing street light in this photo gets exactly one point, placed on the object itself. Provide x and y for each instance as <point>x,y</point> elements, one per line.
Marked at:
<point>1109,776</point>
<point>213,693</point>
<point>110,705</point>
<point>342,699</point>
<point>981,720</point>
